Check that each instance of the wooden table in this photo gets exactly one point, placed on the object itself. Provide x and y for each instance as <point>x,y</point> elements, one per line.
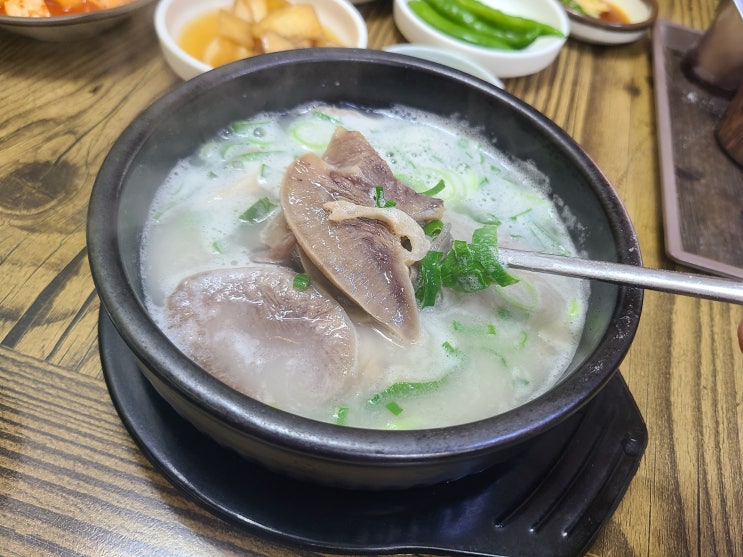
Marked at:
<point>72,482</point>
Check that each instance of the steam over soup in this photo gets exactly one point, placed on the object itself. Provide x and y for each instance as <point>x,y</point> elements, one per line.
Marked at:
<point>340,264</point>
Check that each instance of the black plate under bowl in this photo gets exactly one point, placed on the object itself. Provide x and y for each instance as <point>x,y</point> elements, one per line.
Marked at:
<point>552,499</point>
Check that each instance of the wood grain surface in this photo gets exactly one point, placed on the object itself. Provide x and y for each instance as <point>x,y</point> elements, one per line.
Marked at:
<point>72,482</point>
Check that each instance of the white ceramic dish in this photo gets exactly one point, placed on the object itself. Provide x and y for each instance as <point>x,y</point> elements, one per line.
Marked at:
<point>338,16</point>
<point>70,27</point>
<point>446,57</point>
<point>641,13</point>
<point>503,63</point>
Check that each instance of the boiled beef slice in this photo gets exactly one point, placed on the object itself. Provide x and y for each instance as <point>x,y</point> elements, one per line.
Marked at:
<point>363,257</point>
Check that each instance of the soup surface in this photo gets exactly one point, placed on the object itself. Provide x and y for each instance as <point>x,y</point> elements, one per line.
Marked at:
<point>474,355</point>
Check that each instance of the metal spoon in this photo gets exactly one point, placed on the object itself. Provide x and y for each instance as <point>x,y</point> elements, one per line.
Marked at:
<point>700,286</point>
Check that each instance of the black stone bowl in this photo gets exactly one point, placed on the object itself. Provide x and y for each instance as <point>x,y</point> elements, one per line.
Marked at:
<point>174,126</point>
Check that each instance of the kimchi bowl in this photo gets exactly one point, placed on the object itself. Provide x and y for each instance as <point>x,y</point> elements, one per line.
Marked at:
<point>353,88</point>
<point>71,26</point>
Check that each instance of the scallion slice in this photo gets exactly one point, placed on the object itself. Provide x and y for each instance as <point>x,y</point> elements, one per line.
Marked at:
<point>301,281</point>
<point>428,280</point>
<point>433,228</point>
<point>393,407</point>
<point>438,188</point>
<point>259,211</point>
<point>379,199</point>
<point>341,415</point>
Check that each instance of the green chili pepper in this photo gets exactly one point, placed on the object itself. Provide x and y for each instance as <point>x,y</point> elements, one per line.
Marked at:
<point>440,23</point>
<point>457,14</point>
<point>506,21</point>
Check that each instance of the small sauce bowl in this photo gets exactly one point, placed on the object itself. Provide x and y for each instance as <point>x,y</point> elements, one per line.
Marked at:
<point>641,14</point>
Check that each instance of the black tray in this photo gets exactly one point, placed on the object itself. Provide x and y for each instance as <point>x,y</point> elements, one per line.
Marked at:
<point>550,500</point>
<point>702,187</point>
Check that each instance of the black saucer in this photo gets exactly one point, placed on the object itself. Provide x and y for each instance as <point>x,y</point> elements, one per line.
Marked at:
<point>550,500</point>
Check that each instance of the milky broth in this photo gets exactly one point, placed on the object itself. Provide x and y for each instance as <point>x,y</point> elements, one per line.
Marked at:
<point>480,353</point>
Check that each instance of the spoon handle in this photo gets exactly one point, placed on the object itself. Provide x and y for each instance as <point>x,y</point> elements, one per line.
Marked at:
<point>700,286</point>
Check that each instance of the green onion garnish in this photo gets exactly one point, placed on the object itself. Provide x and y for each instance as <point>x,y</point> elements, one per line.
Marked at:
<point>259,211</point>
<point>468,267</point>
<point>428,280</point>
<point>341,415</point>
<point>475,266</point>
<point>326,117</point>
<point>488,329</point>
<point>393,407</point>
<point>301,281</point>
<point>404,389</point>
<point>438,188</point>
<point>452,350</point>
<point>379,199</point>
<point>433,228</point>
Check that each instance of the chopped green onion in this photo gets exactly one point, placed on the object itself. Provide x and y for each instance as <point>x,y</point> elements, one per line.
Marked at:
<point>216,249</point>
<point>468,267</point>
<point>522,340</point>
<point>451,350</point>
<point>341,415</point>
<point>248,126</point>
<point>490,219</point>
<point>433,228</point>
<point>314,133</point>
<point>573,5</point>
<point>498,355</point>
<point>250,156</point>
<point>475,266</point>
<point>379,199</point>
<point>301,281</point>
<point>573,307</point>
<point>428,279</point>
<point>326,117</point>
<point>438,188</point>
<point>459,327</point>
<point>521,214</point>
<point>259,211</point>
<point>393,407</point>
<point>403,389</point>
<point>255,132</point>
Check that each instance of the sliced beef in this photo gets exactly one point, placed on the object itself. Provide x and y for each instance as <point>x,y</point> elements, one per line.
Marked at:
<point>253,330</point>
<point>354,160</point>
<point>363,257</point>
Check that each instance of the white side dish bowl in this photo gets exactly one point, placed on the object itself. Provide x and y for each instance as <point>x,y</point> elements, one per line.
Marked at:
<point>503,63</point>
<point>446,57</point>
<point>337,16</point>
